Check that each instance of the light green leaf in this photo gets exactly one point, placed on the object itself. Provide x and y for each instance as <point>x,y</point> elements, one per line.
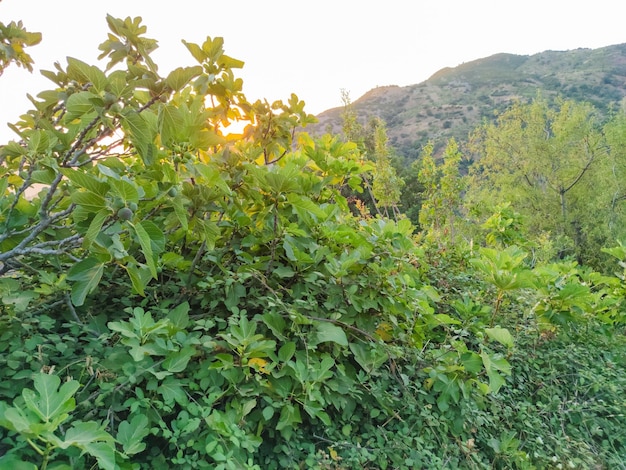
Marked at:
<point>179,316</point>
<point>15,420</point>
<point>248,407</point>
<point>304,205</point>
<point>157,238</point>
<point>472,362</point>
<point>137,277</point>
<point>82,433</point>
<point>177,361</point>
<point>205,139</point>
<point>83,180</point>
<point>196,51</point>
<point>49,402</point>
<point>38,141</point>
<point>171,122</point>
<point>213,177</point>
<point>82,72</point>
<point>328,332</point>
<point>141,135</point>
<point>179,77</point>
<point>369,357</point>
<point>104,454</point>
<point>230,62</point>
<point>94,227</point>
<point>45,176</point>
<point>181,212</point>
<point>78,105</point>
<point>131,435</point>
<point>87,274</point>
<point>501,335</point>
<point>125,189</point>
<point>286,351</point>
<point>124,328</point>
<point>146,247</point>
<point>210,233</point>
<point>492,366</point>
<point>445,319</point>
<point>13,149</point>
<point>14,463</point>
<point>276,323</point>
<point>90,202</point>
<point>284,272</point>
<point>171,391</point>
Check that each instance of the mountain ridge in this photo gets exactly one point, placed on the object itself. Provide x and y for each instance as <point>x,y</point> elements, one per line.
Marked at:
<point>454,100</point>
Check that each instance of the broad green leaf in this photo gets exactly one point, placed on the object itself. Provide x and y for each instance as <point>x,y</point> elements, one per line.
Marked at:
<point>82,72</point>
<point>45,176</point>
<point>171,391</point>
<point>104,453</point>
<point>146,247</point>
<point>50,402</point>
<point>181,212</point>
<point>143,321</point>
<point>124,328</point>
<point>78,105</point>
<point>492,366</point>
<point>86,274</point>
<point>286,351</point>
<point>328,332</point>
<point>210,233</point>
<point>141,135</point>
<point>289,417</point>
<point>231,63</point>
<point>205,139</point>
<point>177,361</point>
<point>179,316</point>
<point>501,335</point>
<point>137,277</point>
<point>13,149</point>
<point>82,433</point>
<point>268,412</point>
<point>171,123</point>
<point>95,227</point>
<point>247,407</point>
<point>445,319</point>
<point>369,357</point>
<point>179,77</point>
<point>304,205</point>
<point>276,323</point>
<point>213,177</point>
<point>131,435</point>
<point>284,272</point>
<point>196,51</point>
<point>89,201</point>
<point>16,420</point>
<point>86,181</point>
<point>125,189</point>
<point>38,141</point>
<point>472,362</point>
<point>13,462</point>
<point>157,238</point>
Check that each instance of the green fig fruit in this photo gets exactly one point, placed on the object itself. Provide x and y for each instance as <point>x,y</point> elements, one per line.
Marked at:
<point>124,213</point>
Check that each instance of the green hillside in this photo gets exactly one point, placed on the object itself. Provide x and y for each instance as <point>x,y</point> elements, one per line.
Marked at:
<point>453,101</point>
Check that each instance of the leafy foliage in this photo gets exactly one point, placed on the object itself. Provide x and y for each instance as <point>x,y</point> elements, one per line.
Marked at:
<point>178,297</point>
<point>14,38</point>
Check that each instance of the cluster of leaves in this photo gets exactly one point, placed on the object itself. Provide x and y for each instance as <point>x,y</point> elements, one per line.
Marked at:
<point>14,38</point>
<point>173,296</point>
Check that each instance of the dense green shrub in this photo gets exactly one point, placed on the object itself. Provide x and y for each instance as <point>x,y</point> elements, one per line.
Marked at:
<point>182,298</point>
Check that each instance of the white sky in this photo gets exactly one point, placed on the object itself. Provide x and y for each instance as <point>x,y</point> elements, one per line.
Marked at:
<point>312,48</point>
